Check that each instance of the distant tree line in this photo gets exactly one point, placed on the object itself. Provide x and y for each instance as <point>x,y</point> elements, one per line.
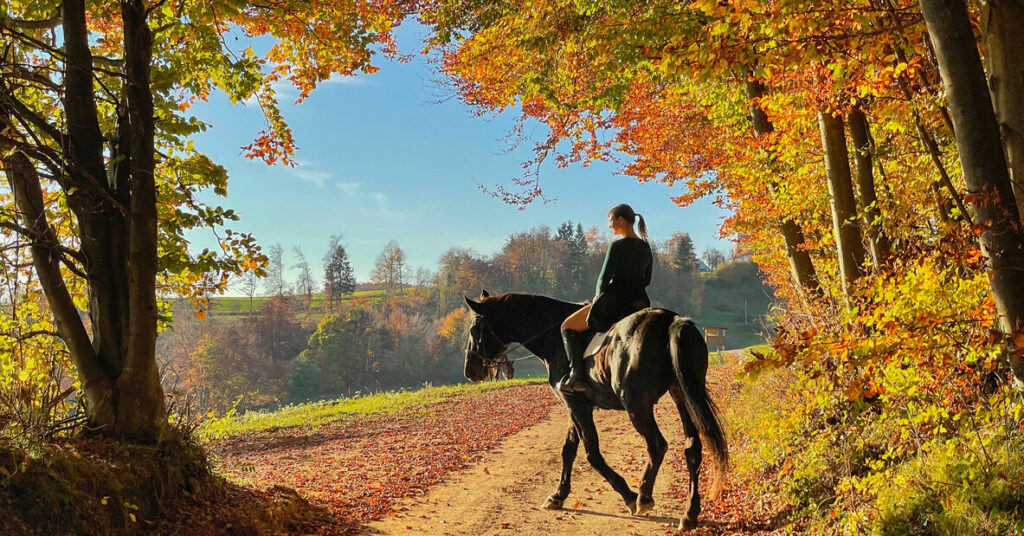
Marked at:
<point>292,347</point>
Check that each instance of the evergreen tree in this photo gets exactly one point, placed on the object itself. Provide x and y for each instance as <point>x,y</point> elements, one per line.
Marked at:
<point>682,256</point>
<point>339,278</point>
<point>572,276</point>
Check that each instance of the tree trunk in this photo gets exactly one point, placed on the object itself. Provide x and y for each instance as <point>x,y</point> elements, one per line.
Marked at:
<point>1003,26</point>
<point>46,249</point>
<point>799,259</point>
<point>140,380</point>
<point>983,163</point>
<point>116,217</point>
<point>845,228</point>
<point>862,155</point>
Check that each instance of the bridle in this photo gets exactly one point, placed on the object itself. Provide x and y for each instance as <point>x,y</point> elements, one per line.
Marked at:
<point>489,361</point>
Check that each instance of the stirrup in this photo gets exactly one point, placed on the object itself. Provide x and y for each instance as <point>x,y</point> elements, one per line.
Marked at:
<point>568,384</point>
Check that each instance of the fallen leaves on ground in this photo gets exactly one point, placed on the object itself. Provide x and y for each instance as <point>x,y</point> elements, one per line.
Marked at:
<point>357,471</point>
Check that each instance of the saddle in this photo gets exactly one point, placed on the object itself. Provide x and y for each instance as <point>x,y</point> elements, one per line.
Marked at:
<point>599,339</point>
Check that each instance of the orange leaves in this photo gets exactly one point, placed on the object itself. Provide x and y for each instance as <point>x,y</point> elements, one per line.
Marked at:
<point>271,146</point>
<point>360,469</point>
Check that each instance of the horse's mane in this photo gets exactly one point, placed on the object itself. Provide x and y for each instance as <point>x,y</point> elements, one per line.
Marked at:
<point>536,302</point>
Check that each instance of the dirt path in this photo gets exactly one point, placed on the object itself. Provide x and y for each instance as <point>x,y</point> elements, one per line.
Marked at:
<point>502,493</point>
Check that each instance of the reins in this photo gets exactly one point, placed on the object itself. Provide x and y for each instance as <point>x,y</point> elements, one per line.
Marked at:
<point>488,362</point>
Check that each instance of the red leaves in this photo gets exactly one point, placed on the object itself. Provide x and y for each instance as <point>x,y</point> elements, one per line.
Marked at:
<point>359,470</point>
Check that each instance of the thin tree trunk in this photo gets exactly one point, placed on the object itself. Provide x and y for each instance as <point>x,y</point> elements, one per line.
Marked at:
<point>845,228</point>
<point>1003,26</point>
<point>100,223</point>
<point>28,197</point>
<point>944,181</point>
<point>145,417</point>
<point>983,162</point>
<point>863,156</point>
<point>799,259</point>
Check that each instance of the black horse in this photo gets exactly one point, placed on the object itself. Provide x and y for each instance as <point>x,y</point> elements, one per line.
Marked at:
<point>649,353</point>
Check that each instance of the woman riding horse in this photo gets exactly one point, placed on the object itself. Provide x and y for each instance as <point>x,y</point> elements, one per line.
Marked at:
<point>621,290</point>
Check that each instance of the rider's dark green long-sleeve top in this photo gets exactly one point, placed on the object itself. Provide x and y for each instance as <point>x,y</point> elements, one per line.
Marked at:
<point>628,264</point>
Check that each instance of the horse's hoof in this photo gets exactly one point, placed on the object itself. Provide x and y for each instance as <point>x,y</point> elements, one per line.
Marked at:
<point>644,506</point>
<point>686,523</point>
<point>552,504</point>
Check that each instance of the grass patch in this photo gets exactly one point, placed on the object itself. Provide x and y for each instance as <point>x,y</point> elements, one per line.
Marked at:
<point>331,411</point>
<point>739,308</point>
<point>238,305</point>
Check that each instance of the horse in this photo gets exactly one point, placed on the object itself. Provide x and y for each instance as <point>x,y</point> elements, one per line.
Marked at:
<point>648,353</point>
<point>501,366</point>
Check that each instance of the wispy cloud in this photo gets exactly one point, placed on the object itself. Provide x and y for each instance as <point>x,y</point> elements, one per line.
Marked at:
<point>315,177</point>
<point>381,199</point>
<point>350,188</point>
<point>357,80</point>
<point>283,88</point>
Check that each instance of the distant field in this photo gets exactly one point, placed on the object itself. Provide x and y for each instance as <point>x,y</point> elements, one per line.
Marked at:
<point>334,411</point>
<point>239,305</point>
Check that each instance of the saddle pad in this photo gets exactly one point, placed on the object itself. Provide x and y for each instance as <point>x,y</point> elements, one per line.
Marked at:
<point>596,343</point>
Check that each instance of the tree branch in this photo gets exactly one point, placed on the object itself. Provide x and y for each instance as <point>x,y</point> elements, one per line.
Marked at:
<point>48,23</point>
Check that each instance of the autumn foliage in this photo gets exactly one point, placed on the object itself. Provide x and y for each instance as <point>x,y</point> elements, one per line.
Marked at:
<point>825,128</point>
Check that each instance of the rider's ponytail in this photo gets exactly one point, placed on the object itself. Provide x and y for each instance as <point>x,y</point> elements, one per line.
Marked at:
<point>642,227</point>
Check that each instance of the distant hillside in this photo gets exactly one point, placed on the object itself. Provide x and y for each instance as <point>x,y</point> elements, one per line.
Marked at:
<point>736,298</point>
<point>239,305</point>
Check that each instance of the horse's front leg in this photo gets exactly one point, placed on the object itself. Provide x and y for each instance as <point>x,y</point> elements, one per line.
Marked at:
<point>584,419</point>
<point>641,414</point>
<point>569,449</point>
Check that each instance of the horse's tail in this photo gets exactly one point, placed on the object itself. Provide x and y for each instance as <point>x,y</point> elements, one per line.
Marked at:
<point>690,360</point>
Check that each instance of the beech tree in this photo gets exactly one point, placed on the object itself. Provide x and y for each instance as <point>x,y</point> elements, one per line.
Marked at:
<point>304,283</point>
<point>102,176</point>
<point>984,164</point>
<point>390,270</point>
<point>845,227</point>
<point>275,283</point>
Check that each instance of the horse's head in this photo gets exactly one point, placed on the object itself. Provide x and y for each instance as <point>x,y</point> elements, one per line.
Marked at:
<point>484,346</point>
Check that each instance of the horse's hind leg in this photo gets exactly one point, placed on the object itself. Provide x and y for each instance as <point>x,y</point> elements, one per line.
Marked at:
<point>642,416</point>
<point>584,419</point>
<point>693,458</point>
<point>569,449</point>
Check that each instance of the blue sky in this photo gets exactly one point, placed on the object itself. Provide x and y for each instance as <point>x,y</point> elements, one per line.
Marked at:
<point>382,159</point>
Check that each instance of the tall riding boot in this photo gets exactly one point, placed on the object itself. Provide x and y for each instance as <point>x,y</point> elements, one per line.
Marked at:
<point>575,380</point>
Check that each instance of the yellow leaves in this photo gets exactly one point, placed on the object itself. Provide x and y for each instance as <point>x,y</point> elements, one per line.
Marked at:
<point>200,314</point>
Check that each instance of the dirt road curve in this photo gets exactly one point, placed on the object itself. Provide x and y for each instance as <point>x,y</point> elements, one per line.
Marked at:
<point>502,495</point>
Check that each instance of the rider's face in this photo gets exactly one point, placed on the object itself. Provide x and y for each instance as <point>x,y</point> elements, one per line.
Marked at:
<point>615,223</point>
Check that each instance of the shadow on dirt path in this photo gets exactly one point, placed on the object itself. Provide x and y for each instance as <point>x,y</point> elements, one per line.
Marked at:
<point>502,493</point>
